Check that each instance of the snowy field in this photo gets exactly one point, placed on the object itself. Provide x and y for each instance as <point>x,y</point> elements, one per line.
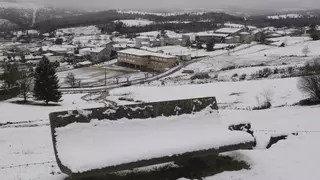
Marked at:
<point>91,40</point>
<point>231,95</point>
<point>136,22</point>
<point>255,55</point>
<point>287,40</point>
<point>89,75</point>
<point>285,16</point>
<point>41,113</point>
<point>85,30</point>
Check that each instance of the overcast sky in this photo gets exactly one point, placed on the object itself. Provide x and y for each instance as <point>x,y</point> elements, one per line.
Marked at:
<point>181,4</point>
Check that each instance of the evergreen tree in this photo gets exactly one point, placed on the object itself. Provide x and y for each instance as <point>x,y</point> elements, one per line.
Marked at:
<point>210,45</point>
<point>314,33</point>
<point>11,74</point>
<point>46,86</point>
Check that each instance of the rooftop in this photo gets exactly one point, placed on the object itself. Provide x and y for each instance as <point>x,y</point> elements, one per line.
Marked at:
<point>211,34</point>
<point>228,30</point>
<point>140,52</point>
<point>98,49</point>
<point>244,33</point>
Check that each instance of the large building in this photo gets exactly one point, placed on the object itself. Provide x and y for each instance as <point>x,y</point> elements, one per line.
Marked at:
<point>146,60</point>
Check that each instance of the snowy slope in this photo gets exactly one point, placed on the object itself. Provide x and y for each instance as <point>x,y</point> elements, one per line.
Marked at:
<point>136,22</point>
<point>229,94</point>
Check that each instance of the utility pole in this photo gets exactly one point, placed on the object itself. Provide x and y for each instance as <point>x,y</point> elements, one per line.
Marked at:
<point>105,77</point>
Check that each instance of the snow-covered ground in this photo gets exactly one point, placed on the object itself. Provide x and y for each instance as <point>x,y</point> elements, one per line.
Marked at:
<point>26,150</point>
<point>91,40</point>
<point>295,158</point>
<point>88,75</point>
<point>85,30</point>
<point>287,40</point>
<point>256,55</point>
<point>245,94</point>
<point>285,16</point>
<point>136,22</point>
<point>11,112</point>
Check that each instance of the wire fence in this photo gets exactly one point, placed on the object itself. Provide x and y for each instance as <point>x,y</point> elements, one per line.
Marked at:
<point>25,165</point>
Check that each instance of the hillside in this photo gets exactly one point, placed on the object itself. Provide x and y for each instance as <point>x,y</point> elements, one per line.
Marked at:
<point>25,15</point>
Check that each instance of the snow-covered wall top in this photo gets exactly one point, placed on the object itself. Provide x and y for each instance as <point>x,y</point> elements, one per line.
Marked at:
<point>136,111</point>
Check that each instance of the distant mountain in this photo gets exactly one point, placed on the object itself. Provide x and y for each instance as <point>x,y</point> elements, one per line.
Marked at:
<point>26,15</point>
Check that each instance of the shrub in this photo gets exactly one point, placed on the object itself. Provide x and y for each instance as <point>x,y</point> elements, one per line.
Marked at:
<point>309,83</point>
<point>290,69</point>
<point>228,68</point>
<point>235,75</point>
<point>243,77</point>
<point>200,76</point>
<point>308,102</point>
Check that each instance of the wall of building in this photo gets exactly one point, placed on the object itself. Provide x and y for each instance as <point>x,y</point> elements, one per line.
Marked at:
<point>150,62</point>
<point>161,64</point>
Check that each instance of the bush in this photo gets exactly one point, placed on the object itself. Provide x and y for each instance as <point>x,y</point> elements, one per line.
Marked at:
<point>264,73</point>
<point>243,77</point>
<point>265,105</point>
<point>309,83</point>
<point>200,76</point>
<point>228,68</point>
<point>235,75</point>
<point>308,102</point>
<point>290,69</point>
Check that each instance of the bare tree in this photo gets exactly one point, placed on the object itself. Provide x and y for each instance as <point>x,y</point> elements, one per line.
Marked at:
<point>310,85</point>
<point>305,50</point>
<point>71,80</point>
<point>25,83</point>
<point>310,82</point>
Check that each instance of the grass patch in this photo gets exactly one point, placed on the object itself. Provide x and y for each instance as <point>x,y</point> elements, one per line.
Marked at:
<point>196,168</point>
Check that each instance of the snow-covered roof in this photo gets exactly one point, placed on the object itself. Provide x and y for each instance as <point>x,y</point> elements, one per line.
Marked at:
<point>228,30</point>
<point>211,33</point>
<point>140,52</point>
<point>85,63</point>
<point>60,47</point>
<point>98,49</point>
<point>142,37</point>
<point>48,54</point>
<point>244,33</point>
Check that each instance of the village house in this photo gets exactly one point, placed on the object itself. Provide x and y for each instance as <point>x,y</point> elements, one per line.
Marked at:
<point>98,54</point>
<point>146,60</point>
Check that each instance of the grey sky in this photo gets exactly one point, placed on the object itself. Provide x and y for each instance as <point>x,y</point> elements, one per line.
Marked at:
<point>181,4</point>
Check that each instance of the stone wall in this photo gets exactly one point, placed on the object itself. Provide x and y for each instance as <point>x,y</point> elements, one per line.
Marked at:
<point>137,111</point>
